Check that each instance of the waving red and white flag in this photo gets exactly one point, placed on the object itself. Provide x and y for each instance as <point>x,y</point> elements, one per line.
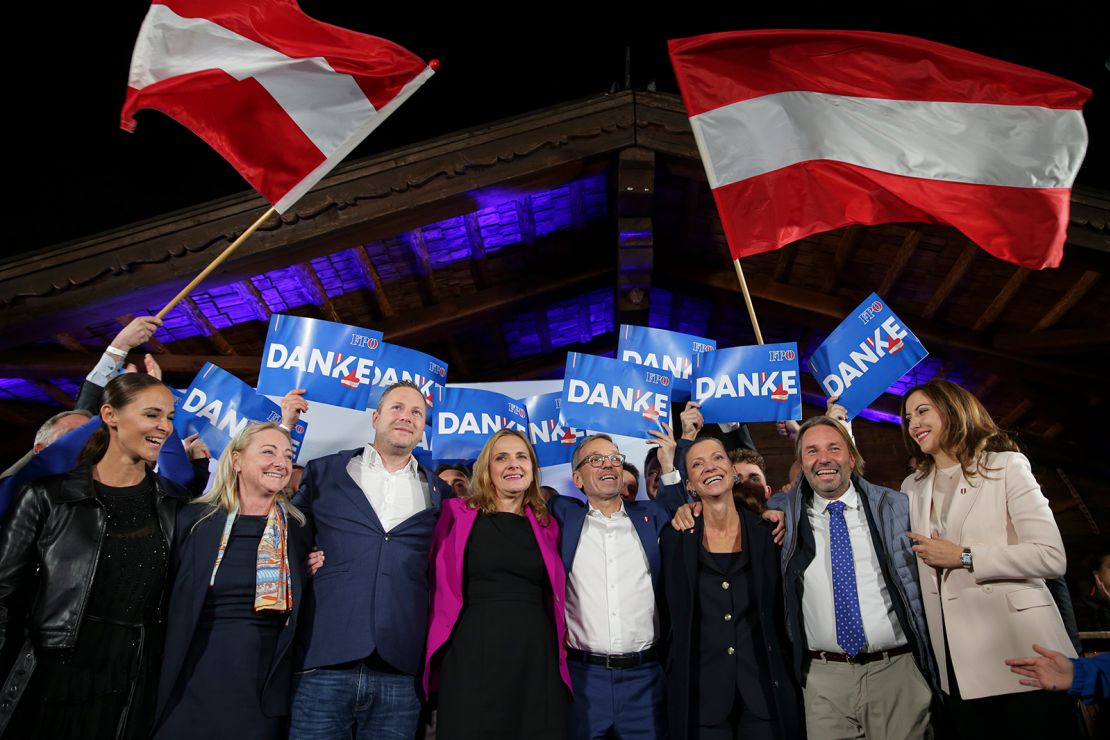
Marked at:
<point>281,96</point>
<point>806,131</point>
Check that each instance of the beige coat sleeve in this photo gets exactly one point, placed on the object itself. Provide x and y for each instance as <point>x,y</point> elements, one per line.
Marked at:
<point>1034,548</point>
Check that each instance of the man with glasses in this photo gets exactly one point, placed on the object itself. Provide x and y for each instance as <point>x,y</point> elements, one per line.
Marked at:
<point>610,548</point>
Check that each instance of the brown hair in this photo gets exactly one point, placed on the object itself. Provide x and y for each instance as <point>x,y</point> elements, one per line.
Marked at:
<point>828,421</point>
<point>751,457</point>
<point>969,430</point>
<point>119,393</point>
<point>395,386</point>
<point>482,493</point>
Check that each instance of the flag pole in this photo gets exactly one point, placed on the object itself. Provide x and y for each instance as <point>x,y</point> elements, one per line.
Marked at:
<point>748,300</point>
<point>227,253</point>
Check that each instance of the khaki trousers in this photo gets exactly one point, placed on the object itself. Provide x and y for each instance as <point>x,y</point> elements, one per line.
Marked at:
<point>886,699</point>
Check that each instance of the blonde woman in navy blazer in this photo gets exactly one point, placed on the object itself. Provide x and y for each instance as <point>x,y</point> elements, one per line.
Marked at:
<point>227,665</point>
<point>497,628</point>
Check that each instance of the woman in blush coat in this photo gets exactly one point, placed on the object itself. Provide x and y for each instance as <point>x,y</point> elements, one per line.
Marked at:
<point>496,633</point>
<point>986,541</point>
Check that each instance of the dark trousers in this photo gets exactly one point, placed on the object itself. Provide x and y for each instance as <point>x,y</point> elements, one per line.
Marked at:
<point>617,704</point>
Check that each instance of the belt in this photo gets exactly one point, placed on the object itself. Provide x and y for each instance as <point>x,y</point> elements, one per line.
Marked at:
<point>859,658</point>
<point>623,660</point>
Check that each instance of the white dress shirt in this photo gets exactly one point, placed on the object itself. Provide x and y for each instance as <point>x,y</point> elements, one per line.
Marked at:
<point>394,496</point>
<point>880,624</point>
<point>610,599</point>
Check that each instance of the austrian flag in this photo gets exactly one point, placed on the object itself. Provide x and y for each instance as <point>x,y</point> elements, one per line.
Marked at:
<point>282,97</point>
<point>806,131</point>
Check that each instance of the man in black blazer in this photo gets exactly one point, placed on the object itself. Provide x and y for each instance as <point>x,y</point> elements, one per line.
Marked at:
<point>364,627</point>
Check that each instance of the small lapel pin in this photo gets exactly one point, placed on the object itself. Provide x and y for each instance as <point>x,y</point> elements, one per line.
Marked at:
<point>646,520</point>
<point>963,491</point>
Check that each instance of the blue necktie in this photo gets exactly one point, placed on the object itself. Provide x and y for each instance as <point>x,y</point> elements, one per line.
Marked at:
<point>849,623</point>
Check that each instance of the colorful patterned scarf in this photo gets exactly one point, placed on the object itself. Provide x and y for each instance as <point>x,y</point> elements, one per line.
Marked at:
<point>272,590</point>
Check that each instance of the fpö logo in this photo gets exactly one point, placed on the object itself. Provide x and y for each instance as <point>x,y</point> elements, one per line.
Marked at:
<point>781,355</point>
<point>658,379</point>
<point>358,340</point>
<point>437,370</point>
<point>870,312</point>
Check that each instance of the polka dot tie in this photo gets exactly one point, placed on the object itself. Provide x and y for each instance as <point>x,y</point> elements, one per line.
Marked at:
<point>849,623</point>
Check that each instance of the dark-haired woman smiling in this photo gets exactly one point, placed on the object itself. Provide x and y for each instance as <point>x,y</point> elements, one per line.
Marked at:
<point>727,675</point>
<point>83,565</point>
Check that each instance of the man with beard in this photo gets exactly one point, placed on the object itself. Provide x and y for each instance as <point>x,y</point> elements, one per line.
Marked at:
<point>853,603</point>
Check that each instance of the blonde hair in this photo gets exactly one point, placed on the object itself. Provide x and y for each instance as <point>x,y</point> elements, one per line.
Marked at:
<point>483,496</point>
<point>969,430</point>
<point>224,494</point>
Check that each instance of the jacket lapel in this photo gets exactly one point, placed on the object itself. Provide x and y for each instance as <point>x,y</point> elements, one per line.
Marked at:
<point>649,538</point>
<point>922,503</point>
<point>572,532</point>
<point>350,489</point>
<point>963,498</point>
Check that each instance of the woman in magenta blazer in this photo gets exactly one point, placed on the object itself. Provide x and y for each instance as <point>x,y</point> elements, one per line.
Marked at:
<point>496,633</point>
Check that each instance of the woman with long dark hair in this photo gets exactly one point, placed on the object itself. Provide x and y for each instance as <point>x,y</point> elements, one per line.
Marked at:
<point>238,584</point>
<point>986,541</point>
<point>496,634</point>
<point>83,565</point>
<point>727,670</point>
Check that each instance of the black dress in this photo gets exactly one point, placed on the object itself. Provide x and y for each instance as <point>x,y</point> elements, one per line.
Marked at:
<point>500,676</point>
<point>105,686</point>
<point>217,691</point>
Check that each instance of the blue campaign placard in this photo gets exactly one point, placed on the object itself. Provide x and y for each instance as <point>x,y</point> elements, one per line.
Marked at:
<point>217,405</point>
<point>467,417</point>
<point>396,363</point>
<point>757,383</point>
<point>614,396</point>
<point>553,441</point>
<point>870,350</point>
<point>669,351</point>
<point>334,363</point>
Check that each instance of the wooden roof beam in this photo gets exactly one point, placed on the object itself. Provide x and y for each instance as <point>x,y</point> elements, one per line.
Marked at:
<point>845,245</point>
<point>478,267</point>
<point>836,308</point>
<point>635,234</point>
<point>374,281</point>
<point>70,342</point>
<point>197,315</point>
<point>1074,295</point>
<point>1056,340</point>
<point>959,268</point>
<point>317,292</point>
<point>1002,299</point>
<point>784,263</point>
<point>56,394</point>
<point>901,259</point>
<point>423,262</point>
<point>252,295</point>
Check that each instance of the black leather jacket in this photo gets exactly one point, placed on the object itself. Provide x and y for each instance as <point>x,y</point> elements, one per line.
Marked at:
<point>48,556</point>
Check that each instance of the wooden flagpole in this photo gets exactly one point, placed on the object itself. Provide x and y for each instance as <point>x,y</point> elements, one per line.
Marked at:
<point>235,245</point>
<point>748,300</point>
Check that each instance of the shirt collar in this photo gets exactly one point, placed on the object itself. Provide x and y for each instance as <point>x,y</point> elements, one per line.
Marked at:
<point>620,513</point>
<point>373,460</point>
<point>849,497</point>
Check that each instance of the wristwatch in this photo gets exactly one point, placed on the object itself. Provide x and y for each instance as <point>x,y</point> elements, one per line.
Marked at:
<point>965,558</point>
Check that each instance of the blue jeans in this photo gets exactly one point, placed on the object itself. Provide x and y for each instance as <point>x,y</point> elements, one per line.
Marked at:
<point>355,702</point>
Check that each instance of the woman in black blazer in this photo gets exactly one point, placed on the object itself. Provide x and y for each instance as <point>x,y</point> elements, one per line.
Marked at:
<point>727,673</point>
<point>238,584</point>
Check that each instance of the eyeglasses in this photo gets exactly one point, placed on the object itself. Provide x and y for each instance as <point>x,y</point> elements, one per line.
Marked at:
<point>596,461</point>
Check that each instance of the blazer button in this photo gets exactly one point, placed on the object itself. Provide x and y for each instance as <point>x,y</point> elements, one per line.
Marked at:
<point>728,617</point>
<point>724,585</point>
<point>987,589</point>
<point>387,538</point>
<point>731,651</point>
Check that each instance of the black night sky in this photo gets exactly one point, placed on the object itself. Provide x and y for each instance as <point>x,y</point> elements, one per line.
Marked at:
<point>78,174</point>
